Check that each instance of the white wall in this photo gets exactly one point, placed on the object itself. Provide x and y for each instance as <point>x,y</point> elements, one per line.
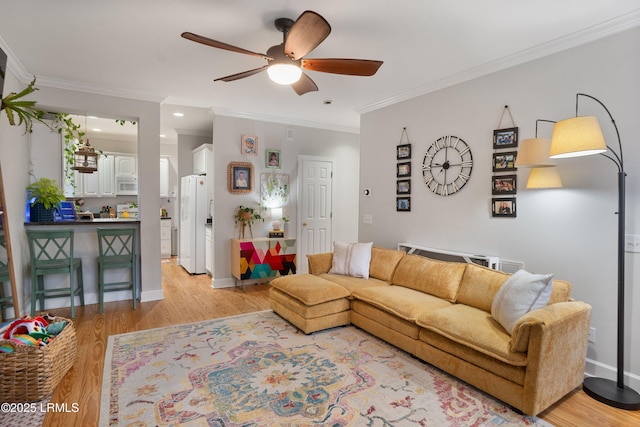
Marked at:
<point>227,132</point>
<point>570,232</point>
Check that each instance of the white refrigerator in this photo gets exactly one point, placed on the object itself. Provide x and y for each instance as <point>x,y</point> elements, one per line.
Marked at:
<point>193,217</point>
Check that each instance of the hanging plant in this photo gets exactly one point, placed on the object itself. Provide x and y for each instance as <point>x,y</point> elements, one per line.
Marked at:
<point>21,111</point>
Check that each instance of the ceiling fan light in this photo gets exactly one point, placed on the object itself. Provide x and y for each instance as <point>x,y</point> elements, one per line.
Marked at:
<point>284,74</point>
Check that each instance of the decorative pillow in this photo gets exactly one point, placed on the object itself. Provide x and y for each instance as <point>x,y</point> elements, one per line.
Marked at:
<point>520,294</point>
<point>351,259</point>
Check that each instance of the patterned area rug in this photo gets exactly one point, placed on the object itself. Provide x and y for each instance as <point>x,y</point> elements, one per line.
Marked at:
<point>258,370</point>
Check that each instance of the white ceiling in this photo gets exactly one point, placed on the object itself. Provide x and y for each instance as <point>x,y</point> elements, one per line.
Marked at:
<point>134,49</point>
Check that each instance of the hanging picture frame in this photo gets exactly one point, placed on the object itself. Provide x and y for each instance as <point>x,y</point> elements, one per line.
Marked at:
<point>274,190</point>
<point>249,145</point>
<point>240,177</point>
<point>504,161</point>
<point>503,207</point>
<point>403,169</point>
<point>505,138</point>
<point>272,159</point>
<point>403,152</point>
<point>403,186</point>
<point>504,184</point>
<point>403,204</point>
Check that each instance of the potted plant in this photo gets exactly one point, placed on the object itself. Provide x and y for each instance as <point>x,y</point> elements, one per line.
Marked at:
<point>45,196</point>
<point>246,216</point>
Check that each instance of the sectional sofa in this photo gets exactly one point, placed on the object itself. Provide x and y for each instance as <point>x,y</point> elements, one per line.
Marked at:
<point>461,318</point>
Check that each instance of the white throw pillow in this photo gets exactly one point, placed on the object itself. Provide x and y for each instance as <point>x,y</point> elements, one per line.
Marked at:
<point>351,259</point>
<point>520,294</point>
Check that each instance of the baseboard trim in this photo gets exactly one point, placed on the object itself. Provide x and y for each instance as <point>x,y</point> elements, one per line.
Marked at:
<point>601,370</point>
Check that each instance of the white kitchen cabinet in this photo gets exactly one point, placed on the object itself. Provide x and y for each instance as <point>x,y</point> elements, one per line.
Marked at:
<point>125,166</point>
<point>126,175</point>
<point>165,237</point>
<point>106,172</point>
<point>164,177</point>
<point>202,157</point>
<point>86,185</point>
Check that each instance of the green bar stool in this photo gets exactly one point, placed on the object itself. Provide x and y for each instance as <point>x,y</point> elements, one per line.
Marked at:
<point>116,250</point>
<point>52,253</point>
<point>6,299</point>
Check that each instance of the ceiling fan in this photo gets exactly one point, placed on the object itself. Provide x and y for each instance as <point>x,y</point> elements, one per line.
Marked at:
<point>286,60</point>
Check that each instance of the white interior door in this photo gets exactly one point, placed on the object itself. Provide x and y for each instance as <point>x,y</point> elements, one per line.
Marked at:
<point>315,212</point>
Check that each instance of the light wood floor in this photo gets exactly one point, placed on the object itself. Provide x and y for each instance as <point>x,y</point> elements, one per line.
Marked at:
<point>190,299</point>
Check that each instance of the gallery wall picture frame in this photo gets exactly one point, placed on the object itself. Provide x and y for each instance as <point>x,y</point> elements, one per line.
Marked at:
<point>503,207</point>
<point>504,161</point>
<point>274,190</point>
<point>240,177</point>
<point>249,145</point>
<point>403,169</point>
<point>504,184</point>
<point>403,152</point>
<point>272,159</point>
<point>505,138</point>
<point>403,186</point>
<point>403,204</point>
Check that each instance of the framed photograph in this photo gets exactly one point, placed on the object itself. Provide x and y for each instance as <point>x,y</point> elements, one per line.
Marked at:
<point>503,184</point>
<point>403,186</point>
<point>403,204</point>
<point>505,138</point>
<point>272,159</point>
<point>504,207</point>
<point>403,152</point>
<point>503,162</point>
<point>403,169</point>
<point>249,145</point>
<point>240,177</point>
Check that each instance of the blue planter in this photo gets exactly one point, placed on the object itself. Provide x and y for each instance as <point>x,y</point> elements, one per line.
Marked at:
<point>38,213</point>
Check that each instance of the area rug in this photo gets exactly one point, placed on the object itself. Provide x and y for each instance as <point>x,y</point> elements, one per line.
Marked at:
<point>258,370</point>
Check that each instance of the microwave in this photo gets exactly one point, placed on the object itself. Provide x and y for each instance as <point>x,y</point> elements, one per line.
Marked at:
<point>126,186</point>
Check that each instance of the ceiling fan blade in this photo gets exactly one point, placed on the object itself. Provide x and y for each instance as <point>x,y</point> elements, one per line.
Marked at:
<point>304,85</point>
<point>221,45</point>
<point>352,67</point>
<point>242,75</point>
<point>307,32</point>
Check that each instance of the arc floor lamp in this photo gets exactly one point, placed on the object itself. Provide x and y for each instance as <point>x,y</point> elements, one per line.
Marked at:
<point>582,136</point>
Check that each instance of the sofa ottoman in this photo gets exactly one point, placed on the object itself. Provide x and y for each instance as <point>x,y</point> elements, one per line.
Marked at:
<point>310,302</point>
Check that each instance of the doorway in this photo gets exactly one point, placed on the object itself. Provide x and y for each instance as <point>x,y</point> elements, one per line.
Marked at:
<point>315,213</point>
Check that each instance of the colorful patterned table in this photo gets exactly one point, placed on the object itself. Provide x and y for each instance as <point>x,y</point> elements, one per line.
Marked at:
<point>262,258</point>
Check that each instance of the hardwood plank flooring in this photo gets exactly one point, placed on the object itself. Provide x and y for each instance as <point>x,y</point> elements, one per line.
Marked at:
<point>191,299</point>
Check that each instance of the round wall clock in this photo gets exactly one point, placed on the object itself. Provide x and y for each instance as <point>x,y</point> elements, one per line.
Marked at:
<point>447,165</point>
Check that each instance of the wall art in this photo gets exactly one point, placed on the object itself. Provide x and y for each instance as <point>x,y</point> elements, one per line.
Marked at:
<point>240,177</point>
<point>249,145</point>
<point>505,207</point>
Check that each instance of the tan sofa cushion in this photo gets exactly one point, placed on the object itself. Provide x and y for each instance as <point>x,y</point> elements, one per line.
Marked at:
<point>309,289</point>
<point>479,285</point>
<point>474,328</point>
<point>403,302</point>
<point>384,262</point>
<point>320,263</point>
<point>433,277</point>
<point>353,283</point>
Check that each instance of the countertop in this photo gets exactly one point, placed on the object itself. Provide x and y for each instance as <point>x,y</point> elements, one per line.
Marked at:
<point>88,221</point>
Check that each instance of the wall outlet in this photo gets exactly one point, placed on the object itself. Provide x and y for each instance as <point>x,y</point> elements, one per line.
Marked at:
<point>592,335</point>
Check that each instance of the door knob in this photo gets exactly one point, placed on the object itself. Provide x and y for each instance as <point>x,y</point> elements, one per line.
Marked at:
<point>304,224</point>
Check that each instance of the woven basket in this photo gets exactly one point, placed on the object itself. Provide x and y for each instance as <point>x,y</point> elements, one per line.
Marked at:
<point>32,373</point>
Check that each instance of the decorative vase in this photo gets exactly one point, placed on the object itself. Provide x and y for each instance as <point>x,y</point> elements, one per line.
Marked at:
<point>38,213</point>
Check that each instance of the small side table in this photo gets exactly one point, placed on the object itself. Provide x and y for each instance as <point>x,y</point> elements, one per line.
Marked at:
<point>262,258</point>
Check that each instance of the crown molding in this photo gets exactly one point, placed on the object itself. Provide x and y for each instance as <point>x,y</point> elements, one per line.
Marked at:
<point>578,38</point>
<point>284,120</point>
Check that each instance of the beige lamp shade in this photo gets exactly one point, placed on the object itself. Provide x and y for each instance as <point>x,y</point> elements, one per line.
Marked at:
<point>546,177</point>
<point>534,153</point>
<point>575,137</point>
